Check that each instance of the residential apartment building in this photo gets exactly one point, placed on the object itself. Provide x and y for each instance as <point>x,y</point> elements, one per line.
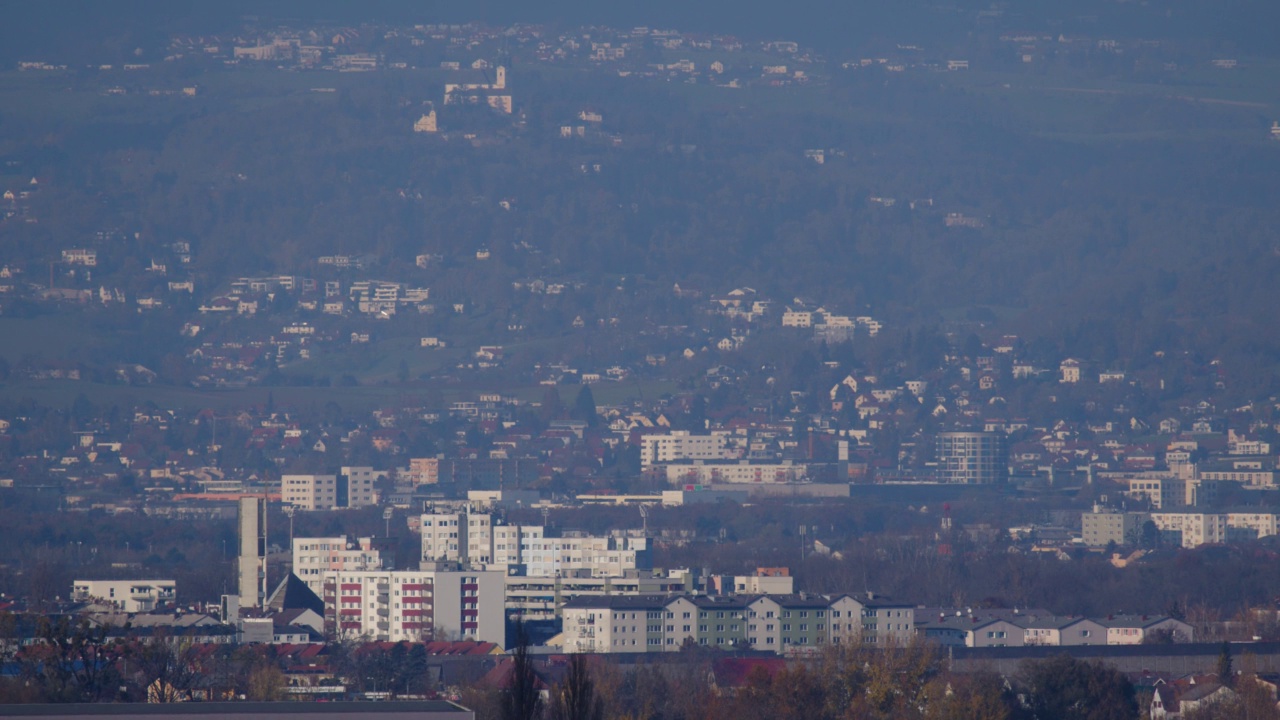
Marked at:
<point>473,538</point>
<point>1250,525</point>
<point>1186,529</point>
<point>132,596</point>
<point>1191,530</point>
<point>884,621</point>
<point>969,631</point>
<point>1250,478</point>
<point>355,486</point>
<point>734,472</point>
<point>781,622</point>
<point>681,445</point>
<point>1166,491</point>
<point>415,605</point>
<point>785,624</point>
<point>310,492</point>
<point>611,556</point>
<point>462,537</point>
<point>1138,629</point>
<point>315,556</point>
<point>1011,629</point>
<point>543,598</point>
<point>1059,631</point>
<point>474,473</point>
<point>1103,527</point>
<point>80,256</point>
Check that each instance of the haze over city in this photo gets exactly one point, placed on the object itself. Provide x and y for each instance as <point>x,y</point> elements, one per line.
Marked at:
<point>665,360</point>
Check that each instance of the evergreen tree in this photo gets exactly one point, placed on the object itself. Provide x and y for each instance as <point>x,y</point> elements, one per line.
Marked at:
<point>584,407</point>
<point>575,697</point>
<point>520,699</point>
<point>1226,673</point>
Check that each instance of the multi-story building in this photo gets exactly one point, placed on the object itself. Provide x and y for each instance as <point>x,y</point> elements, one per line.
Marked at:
<point>415,605</point>
<point>310,492</point>
<point>313,557</point>
<point>132,596</point>
<point>474,473</point>
<point>884,621</point>
<point>1191,529</point>
<point>463,537</point>
<point>1137,629</point>
<point>779,623</point>
<point>424,471</point>
<point>1250,478</point>
<point>1187,529</point>
<point>355,487</point>
<point>682,445</point>
<point>974,631</point>
<point>80,256</point>
<point>1058,631</point>
<point>734,472</point>
<point>1251,524</point>
<point>601,556</point>
<point>972,458</point>
<point>1161,492</point>
<point>1103,527</point>
<point>543,598</point>
<point>473,538</point>
<point>618,623</point>
<point>1001,629</point>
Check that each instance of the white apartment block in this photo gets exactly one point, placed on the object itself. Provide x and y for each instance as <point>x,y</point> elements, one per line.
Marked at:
<point>415,605</point>
<point>797,318</point>
<point>132,596</point>
<point>473,538</point>
<point>315,556</point>
<point>680,445</point>
<point>1166,492</point>
<point>359,486</point>
<point>1251,479</point>
<point>600,556</point>
<point>457,537</point>
<point>80,256</point>
<point>310,492</point>
<point>739,472</point>
<point>1187,529</point>
<point>1192,529</point>
<point>1250,525</point>
<point>1102,527</point>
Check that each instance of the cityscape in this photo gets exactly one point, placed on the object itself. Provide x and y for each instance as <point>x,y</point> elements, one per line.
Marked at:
<point>905,360</point>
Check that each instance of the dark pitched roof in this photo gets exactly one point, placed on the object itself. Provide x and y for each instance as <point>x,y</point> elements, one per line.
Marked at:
<point>619,602</point>
<point>293,594</point>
